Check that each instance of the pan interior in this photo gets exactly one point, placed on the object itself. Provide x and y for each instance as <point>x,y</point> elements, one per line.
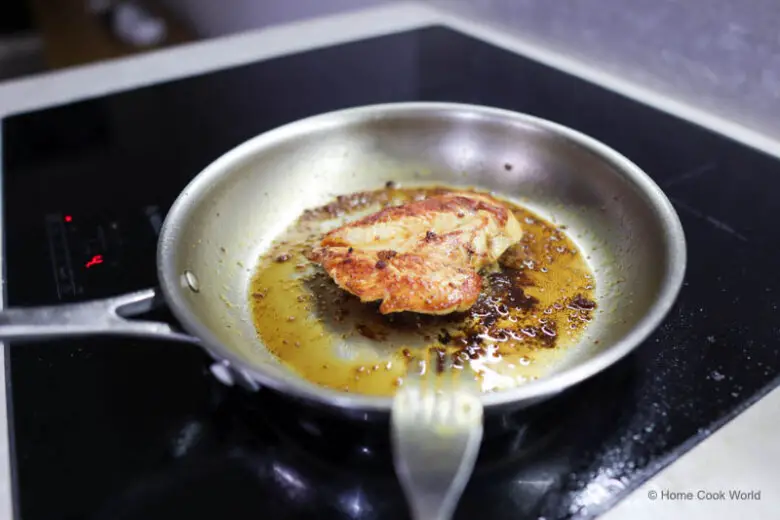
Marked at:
<point>233,211</point>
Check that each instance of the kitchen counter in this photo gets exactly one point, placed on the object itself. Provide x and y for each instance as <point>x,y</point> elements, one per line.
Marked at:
<point>738,456</point>
<point>719,55</point>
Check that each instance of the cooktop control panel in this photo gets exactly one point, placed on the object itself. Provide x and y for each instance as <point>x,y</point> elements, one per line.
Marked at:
<point>96,254</point>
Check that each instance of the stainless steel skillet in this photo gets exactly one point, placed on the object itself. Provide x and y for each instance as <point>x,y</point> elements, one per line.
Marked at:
<point>229,214</point>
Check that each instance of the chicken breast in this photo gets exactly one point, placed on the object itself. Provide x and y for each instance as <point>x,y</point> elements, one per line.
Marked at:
<point>421,257</point>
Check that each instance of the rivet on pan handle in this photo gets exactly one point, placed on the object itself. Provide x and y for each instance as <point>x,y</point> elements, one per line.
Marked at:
<point>229,376</point>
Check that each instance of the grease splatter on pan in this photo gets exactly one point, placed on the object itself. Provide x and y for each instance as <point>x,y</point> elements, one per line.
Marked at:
<point>535,304</point>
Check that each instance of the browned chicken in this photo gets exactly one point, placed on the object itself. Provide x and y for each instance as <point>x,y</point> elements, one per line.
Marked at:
<point>423,256</point>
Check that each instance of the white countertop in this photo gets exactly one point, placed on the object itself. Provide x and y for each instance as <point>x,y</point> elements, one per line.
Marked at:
<point>743,455</point>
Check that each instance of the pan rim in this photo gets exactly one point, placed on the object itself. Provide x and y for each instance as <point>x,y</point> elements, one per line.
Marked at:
<point>675,252</point>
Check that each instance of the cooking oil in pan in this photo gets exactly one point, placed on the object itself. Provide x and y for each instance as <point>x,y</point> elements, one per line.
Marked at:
<point>535,304</point>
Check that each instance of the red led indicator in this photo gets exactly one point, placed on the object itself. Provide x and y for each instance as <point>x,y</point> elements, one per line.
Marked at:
<point>68,218</point>
<point>95,260</point>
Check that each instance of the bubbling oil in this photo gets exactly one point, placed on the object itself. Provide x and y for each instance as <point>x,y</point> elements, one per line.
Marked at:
<point>535,304</point>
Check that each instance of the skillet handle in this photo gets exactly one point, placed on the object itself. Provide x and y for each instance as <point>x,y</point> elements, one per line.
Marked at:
<point>97,317</point>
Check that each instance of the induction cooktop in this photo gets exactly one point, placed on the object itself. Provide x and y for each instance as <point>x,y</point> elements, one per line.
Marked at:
<point>132,429</point>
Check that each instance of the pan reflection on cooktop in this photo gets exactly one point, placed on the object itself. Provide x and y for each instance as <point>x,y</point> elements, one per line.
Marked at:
<point>252,453</point>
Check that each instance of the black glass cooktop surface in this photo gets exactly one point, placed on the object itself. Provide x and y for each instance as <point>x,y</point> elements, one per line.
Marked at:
<point>131,429</point>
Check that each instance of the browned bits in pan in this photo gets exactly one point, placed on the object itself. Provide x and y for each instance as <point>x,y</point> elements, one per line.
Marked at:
<point>437,358</point>
<point>581,303</point>
<point>369,332</point>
